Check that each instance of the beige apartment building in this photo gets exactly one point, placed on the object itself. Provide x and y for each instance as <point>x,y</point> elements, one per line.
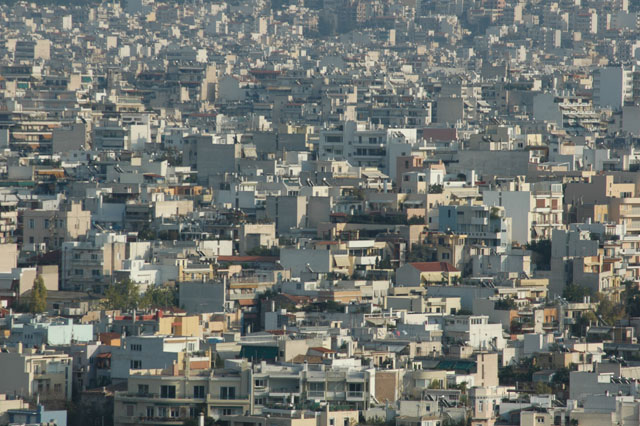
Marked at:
<point>54,227</point>
<point>89,265</point>
<point>180,392</point>
<point>31,372</point>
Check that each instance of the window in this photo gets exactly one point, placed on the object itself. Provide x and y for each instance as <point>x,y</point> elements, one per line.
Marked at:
<point>79,272</point>
<point>193,412</point>
<point>57,387</point>
<point>332,422</point>
<point>260,383</point>
<point>136,347</point>
<point>227,392</point>
<point>95,273</point>
<point>32,223</point>
<point>162,411</point>
<point>143,389</point>
<point>174,412</point>
<point>129,410</point>
<point>150,411</point>
<point>47,223</point>
<point>136,364</point>
<point>355,390</point>
<point>198,391</point>
<point>227,411</point>
<point>167,391</point>
<point>259,401</point>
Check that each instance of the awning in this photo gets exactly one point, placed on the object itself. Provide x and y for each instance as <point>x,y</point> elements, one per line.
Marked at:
<point>341,261</point>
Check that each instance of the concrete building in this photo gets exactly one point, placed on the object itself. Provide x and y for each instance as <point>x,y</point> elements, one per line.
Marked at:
<point>149,352</point>
<point>30,372</point>
<point>54,227</point>
<point>90,264</point>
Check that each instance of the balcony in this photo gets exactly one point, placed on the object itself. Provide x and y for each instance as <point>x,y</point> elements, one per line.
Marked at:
<point>355,395</point>
<point>135,420</point>
<point>479,221</point>
<point>154,398</point>
<point>283,392</point>
<point>366,260</point>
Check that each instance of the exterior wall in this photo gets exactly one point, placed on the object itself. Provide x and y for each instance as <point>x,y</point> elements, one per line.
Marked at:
<point>288,212</point>
<point>487,370</point>
<point>8,257</point>
<point>166,209</point>
<point>408,276</point>
<point>200,297</point>
<point>387,386</point>
<point>180,326</point>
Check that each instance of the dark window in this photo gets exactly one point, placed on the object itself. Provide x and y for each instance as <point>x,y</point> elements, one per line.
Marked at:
<point>198,391</point>
<point>227,392</point>
<point>167,391</point>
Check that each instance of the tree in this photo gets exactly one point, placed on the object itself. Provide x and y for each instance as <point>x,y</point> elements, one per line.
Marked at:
<point>541,254</point>
<point>632,299</point>
<point>38,299</point>
<point>421,253</point>
<point>575,293</point>
<point>159,297</point>
<point>610,312</point>
<point>561,377</point>
<point>123,295</point>
<point>435,189</point>
<point>542,388</point>
<point>586,320</point>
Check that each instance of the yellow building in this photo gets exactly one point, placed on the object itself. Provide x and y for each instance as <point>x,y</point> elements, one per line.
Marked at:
<point>180,325</point>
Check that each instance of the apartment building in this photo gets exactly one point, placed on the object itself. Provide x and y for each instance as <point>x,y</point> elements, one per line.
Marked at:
<point>182,391</point>
<point>54,227</point>
<point>150,352</point>
<point>31,372</point>
<point>348,385</point>
<point>482,224</point>
<point>90,264</point>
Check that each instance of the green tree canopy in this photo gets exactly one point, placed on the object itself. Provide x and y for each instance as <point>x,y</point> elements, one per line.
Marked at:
<point>38,298</point>
<point>575,293</point>
<point>159,297</point>
<point>632,299</point>
<point>609,311</point>
<point>123,295</point>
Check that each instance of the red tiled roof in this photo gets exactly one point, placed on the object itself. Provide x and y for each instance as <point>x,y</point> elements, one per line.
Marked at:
<point>321,349</point>
<point>434,267</point>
